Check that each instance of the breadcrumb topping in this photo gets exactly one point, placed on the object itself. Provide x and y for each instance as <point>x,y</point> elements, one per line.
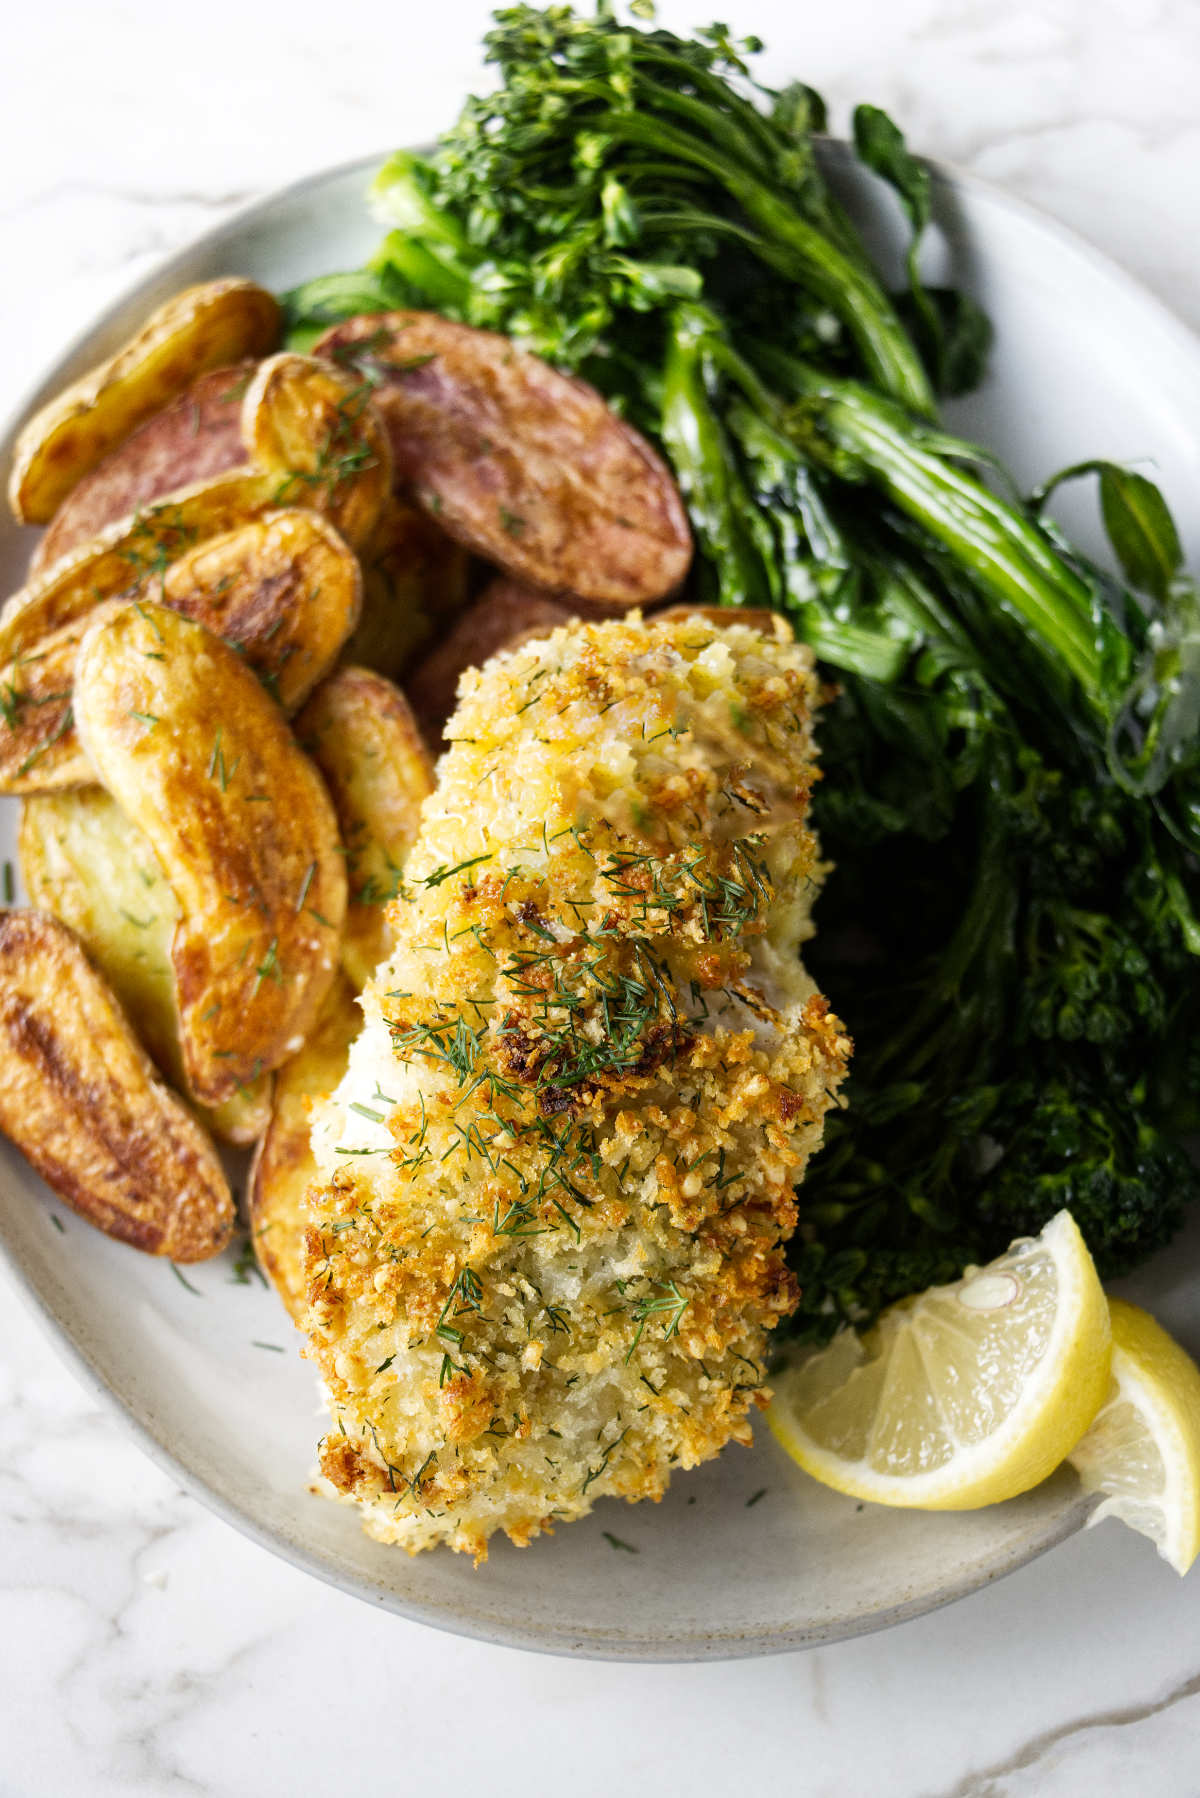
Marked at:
<point>547,1246</point>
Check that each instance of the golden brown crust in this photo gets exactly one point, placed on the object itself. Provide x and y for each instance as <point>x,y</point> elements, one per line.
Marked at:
<point>80,1099</point>
<point>188,742</point>
<point>283,1167</point>
<point>202,328</point>
<point>316,431</point>
<point>116,563</point>
<point>548,1246</point>
<point>87,864</point>
<point>757,619</point>
<point>284,590</point>
<point>361,734</point>
<point>504,614</point>
<point>39,750</point>
<point>528,467</point>
<point>196,437</point>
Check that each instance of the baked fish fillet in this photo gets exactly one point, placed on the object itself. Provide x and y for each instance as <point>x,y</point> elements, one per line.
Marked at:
<point>546,1247</point>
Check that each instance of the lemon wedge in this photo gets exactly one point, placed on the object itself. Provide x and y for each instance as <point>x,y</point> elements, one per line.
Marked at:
<point>964,1395</point>
<point>1143,1451</point>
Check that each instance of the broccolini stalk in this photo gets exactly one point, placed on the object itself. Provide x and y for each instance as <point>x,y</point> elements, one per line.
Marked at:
<point>1011,800</point>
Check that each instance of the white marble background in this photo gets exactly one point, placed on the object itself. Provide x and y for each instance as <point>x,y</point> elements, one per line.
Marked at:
<point>145,1648</point>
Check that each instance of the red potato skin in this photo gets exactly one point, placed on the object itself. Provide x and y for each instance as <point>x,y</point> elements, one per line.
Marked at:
<point>528,467</point>
<point>196,437</point>
<point>504,612</point>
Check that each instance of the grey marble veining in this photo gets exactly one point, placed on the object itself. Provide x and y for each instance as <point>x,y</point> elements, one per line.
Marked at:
<point>148,1649</point>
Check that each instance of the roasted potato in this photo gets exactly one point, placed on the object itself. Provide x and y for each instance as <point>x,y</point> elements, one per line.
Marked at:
<point>283,1164</point>
<point>284,590</point>
<point>199,329</point>
<point>79,1098</point>
<point>186,740</point>
<point>121,558</point>
<point>359,731</point>
<point>315,430</point>
<point>526,466</point>
<point>39,750</point>
<point>196,437</point>
<point>87,864</point>
<point>416,581</point>
<point>504,611</point>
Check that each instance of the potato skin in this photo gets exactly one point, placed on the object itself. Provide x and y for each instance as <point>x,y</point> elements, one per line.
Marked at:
<point>283,1165</point>
<point>528,467</point>
<point>79,1098</point>
<point>39,750</point>
<point>88,865</point>
<point>284,590</point>
<point>204,327</point>
<point>758,618</point>
<point>314,429</point>
<point>197,436</point>
<point>114,564</point>
<point>416,581</point>
<point>504,613</point>
<point>187,741</point>
<point>361,734</point>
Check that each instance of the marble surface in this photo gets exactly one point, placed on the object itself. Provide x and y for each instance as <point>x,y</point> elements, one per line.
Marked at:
<point>147,1648</point>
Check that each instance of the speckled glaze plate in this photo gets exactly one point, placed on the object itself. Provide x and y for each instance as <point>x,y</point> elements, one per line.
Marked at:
<point>745,1556</point>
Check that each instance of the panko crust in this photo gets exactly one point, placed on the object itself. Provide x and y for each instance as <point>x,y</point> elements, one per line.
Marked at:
<point>548,1245</point>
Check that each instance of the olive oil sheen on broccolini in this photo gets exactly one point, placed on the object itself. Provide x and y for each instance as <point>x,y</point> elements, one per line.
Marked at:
<point>1012,767</point>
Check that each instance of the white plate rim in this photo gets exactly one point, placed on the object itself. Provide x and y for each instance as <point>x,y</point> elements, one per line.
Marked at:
<point>69,1338</point>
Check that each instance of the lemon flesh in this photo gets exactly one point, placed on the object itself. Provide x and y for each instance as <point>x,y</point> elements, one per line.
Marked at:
<point>963,1396</point>
<point>1143,1451</point>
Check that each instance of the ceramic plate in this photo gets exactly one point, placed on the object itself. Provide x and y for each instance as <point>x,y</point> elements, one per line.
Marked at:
<point>1085,364</point>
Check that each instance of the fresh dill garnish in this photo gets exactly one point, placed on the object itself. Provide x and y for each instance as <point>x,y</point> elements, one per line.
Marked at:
<point>245,1266</point>
<point>194,1290</point>
<point>443,873</point>
<point>616,1542</point>
<point>364,1111</point>
<point>672,1304</point>
<point>755,1496</point>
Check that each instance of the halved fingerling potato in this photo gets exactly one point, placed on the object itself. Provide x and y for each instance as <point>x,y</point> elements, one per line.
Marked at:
<point>39,750</point>
<point>283,590</point>
<point>504,612</point>
<point>86,863</point>
<point>187,741</point>
<point>197,437</point>
<point>527,466</point>
<point>80,1099</point>
<point>128,554</point>
<point>283,1165</point>
<point>316,431</point>
<point>362,735</point>
<point>416,581</point>
<point>202,328</point>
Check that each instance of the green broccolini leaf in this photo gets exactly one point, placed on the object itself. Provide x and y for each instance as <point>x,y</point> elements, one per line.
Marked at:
<point>952,333</point>
<point>1011,799</point>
